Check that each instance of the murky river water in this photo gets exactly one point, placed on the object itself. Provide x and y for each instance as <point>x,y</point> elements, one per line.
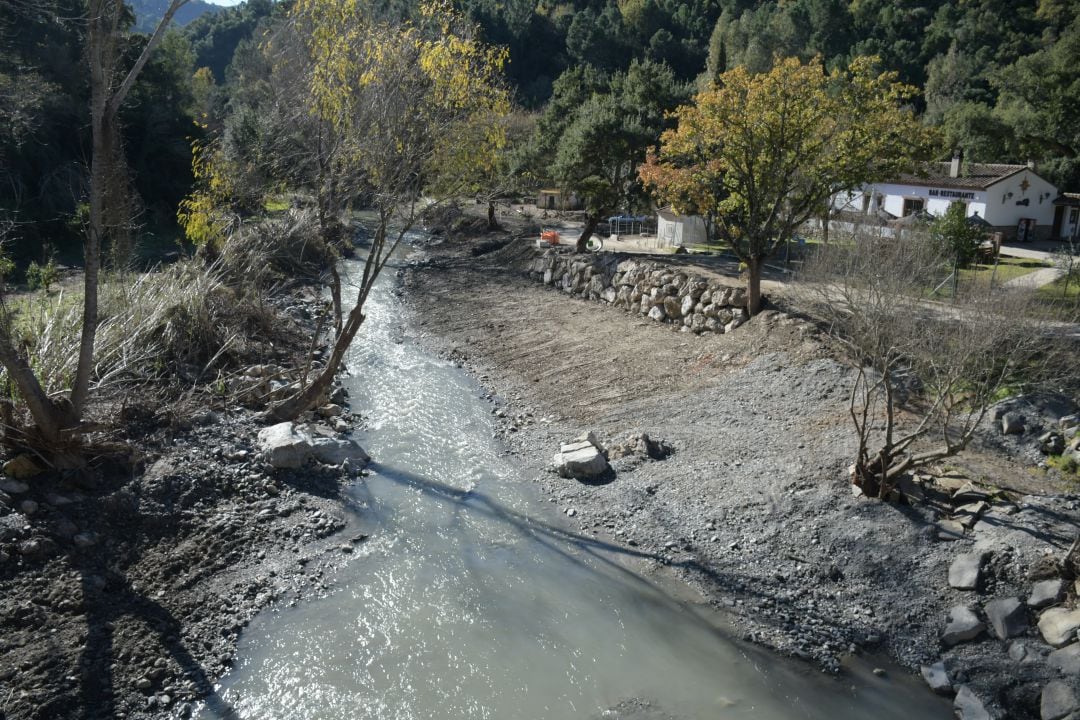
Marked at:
<point>470,600</point>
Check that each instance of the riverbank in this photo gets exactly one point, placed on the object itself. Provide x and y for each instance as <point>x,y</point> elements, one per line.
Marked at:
<point>127,584</point>
<point>753,507</point>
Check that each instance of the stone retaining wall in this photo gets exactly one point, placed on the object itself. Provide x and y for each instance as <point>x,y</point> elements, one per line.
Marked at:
<point>662,293</point>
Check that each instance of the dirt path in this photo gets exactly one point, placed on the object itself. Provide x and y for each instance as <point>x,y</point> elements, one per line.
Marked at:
<point>753,508</point>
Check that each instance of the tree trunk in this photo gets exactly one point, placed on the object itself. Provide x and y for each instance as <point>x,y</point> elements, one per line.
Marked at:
<point>591,222</point>
<point>52,419</point>
<point>100,54</point>
<point>493,224</point>
<point>753,286</point>
<point>335,293</point>
<point>825,226</point>
<point>291,407</point>
<point>105,102</point>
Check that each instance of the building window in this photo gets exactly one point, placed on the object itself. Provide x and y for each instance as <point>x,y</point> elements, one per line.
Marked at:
<point>912,206</point>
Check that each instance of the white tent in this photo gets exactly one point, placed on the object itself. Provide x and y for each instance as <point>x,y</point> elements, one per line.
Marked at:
<point>679,230</point>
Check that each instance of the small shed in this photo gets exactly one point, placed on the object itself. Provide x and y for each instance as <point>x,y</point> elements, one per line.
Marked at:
<point>1066,216</point>
<point>677,230</point>
<point>557,199</point>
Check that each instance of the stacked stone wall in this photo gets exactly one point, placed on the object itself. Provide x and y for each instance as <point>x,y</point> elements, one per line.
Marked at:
<point>660,292</point>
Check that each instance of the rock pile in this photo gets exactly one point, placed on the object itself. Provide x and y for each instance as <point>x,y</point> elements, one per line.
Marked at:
<point>662,293</point>
<point>639,445</point>
<point>584,458</point>
<point>1007,617</point>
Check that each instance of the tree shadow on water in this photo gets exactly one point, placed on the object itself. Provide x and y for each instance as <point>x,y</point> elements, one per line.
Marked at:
<point>592,555</point>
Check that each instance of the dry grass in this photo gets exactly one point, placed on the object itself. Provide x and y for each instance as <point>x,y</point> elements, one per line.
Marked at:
<point>163,331</point>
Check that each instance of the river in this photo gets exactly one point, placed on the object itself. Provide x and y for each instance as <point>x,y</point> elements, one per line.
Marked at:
<point>472,600</point>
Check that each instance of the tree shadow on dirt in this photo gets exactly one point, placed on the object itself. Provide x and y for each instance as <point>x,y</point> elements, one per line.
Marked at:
<point>108,597</point>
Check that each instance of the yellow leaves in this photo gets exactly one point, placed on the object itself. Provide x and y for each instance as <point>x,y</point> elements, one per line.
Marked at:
<point>202,214</point>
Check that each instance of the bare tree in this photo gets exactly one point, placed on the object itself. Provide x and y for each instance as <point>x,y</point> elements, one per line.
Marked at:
<point>925,374</point>
<point>59,418</point>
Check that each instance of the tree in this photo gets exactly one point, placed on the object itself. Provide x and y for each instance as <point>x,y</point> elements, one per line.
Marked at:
<point>57,419</point>
<point>958,239</point>
<point>595,133</point>
<point>764,153</point>
<point>416,108</point>
<point>920,370</point>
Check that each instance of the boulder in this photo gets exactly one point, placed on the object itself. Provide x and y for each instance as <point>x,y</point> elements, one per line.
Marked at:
<point>968,706</point>
<point>1066,660</point>
<point>332,451</point>
<point>1007,617</point>
<point>963,625</point>
<point>1052,443</point>
<point>1046,592</point>
<point>1012,423</point>
<point>672,307</point>
<point>1057,701</point>
<point>936,677</point>
<point>657,313</point>
<point>582,461</point>
<point>1058,626</point>
<point>21,467</point>
<point>687,307</point>
<point>965,571</point>
<point>609,294</point>
<point>284,445</point>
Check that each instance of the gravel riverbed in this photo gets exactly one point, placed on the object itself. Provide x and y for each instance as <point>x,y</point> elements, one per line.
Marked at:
<point>753,507</point>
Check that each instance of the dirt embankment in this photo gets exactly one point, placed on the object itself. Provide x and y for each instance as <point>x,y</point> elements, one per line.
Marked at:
<point>125,587</point>
<point>753,507</point>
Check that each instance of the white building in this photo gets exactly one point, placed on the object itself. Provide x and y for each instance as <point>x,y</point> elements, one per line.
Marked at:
<point>677,230</point>
<point>1012,198</point>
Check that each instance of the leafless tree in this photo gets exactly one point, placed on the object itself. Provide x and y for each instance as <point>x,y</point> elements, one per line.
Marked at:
<point>58,418</point>
<point>926,374</point>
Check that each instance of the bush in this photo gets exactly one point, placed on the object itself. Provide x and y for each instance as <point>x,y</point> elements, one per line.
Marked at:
<point>42,276</point>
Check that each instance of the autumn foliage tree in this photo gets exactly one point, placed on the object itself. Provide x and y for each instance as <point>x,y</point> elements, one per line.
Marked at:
<point>415,112</point>
<point>763,153</point>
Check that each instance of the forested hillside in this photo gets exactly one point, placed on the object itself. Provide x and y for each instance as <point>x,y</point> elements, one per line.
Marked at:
<point>998,77</point>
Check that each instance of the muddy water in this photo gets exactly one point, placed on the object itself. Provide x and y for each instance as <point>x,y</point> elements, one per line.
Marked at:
<point>471,600</point>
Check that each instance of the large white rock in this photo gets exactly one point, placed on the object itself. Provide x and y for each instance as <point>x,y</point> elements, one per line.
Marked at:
<point>284,445</point>
<point>1058,625</point>
<point>580,460</point>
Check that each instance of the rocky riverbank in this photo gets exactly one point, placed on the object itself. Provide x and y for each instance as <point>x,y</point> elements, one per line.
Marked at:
<point>126,585</point>
<point>752,504</point>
